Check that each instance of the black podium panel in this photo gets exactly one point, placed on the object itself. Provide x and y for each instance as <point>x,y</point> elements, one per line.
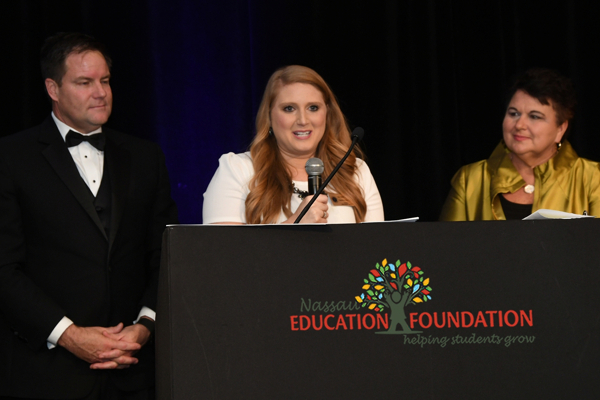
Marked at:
<point>387,310</point>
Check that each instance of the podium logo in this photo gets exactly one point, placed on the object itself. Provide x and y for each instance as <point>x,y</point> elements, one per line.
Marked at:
<point>394,287</point>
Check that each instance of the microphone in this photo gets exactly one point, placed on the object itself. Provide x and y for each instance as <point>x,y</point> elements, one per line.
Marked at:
<point>314,168</point>
<point>357,134</point>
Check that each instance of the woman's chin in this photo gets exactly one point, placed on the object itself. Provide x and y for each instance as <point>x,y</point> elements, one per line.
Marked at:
<point>519,147</point>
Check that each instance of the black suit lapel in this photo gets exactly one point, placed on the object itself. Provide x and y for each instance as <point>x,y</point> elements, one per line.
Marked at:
<point>61,161</point>
<point>117,161</point>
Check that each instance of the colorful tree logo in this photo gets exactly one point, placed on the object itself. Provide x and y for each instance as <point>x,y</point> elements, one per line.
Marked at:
<point>395,286</point>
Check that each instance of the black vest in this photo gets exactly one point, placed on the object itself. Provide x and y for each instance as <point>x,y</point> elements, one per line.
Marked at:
<point>103,201</point>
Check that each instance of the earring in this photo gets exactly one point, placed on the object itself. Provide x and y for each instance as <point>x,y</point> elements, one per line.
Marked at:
<point>558,146</point>
<point>270,131</point>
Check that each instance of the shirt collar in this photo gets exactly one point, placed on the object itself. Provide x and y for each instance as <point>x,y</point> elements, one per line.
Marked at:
<point>64,128</point>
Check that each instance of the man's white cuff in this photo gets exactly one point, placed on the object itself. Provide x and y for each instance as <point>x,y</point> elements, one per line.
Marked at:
<point>146,312</point>
<point>57,332</point>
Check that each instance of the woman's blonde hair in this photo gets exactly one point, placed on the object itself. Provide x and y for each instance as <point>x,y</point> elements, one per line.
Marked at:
<point>271,187</point>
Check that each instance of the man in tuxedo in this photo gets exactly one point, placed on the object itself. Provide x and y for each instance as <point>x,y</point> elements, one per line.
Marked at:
<point>82,212</point>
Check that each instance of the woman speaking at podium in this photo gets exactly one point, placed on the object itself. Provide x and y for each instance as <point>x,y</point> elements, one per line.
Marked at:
<point>533,167</point>
<point>298,118</point>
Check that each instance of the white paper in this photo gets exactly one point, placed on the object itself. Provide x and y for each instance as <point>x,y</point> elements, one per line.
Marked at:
<point>553,214</point>
<point>412,219</point>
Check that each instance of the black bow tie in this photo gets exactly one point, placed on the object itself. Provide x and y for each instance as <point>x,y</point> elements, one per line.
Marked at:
<point>98,140</point>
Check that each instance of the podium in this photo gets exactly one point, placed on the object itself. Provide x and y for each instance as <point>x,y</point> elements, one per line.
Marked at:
<point>440,310</point>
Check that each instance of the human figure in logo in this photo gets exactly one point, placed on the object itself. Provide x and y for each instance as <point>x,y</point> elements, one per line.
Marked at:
<point>397,303</point>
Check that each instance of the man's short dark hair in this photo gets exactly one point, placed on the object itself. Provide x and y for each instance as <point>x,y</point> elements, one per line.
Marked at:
<point>58,47</point>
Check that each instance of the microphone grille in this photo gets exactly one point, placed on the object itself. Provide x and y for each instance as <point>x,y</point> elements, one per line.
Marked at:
<point>358,132</point>
<point>314,166</point>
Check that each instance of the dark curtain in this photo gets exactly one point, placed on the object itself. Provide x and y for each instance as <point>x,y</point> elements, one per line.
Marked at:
<point>425,79</point>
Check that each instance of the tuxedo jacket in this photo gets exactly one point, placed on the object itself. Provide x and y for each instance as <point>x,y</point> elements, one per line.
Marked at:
<point>56,259</point>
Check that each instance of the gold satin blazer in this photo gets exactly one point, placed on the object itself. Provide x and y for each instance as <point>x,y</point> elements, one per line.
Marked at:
<point>565,183</point>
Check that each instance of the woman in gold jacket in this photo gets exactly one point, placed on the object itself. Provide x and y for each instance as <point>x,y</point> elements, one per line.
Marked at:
<point>533,167</point>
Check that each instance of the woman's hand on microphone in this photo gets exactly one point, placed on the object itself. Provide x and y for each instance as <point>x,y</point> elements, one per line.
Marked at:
<point>317,214</point>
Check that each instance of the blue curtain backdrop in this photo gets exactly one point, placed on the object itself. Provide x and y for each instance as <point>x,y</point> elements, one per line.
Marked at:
<point>425,79</point>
